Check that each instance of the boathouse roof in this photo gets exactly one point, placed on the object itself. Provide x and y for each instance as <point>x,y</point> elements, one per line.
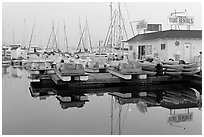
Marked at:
<point>168,34</point>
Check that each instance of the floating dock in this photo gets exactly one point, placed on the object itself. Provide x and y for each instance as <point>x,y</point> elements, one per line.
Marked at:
<point>106,80</point>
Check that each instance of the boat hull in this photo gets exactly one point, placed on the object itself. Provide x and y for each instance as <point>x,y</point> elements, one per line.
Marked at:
<point>118,74</point>
<point>89,70</point>
<point>173,73</point>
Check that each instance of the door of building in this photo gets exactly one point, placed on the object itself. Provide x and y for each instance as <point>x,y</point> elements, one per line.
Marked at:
<point>187,52</point>
<point>141,51</point>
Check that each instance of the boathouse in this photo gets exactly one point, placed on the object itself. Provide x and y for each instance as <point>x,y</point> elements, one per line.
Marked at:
<point>175,44</point>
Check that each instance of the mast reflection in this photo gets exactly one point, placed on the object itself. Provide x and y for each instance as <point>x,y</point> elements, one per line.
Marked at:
<point>171,99</point>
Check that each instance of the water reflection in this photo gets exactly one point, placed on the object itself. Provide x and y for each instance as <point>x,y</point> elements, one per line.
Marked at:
<point>66,99</point>
<point>5,70</point>
<point>16,72</point>
<point>71,99</point>
<point>178,102</point>
<point>12,72</point>
<point>171,99</point>
<point>38,91</point>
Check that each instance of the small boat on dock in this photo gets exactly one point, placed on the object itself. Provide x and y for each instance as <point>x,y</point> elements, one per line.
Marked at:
<point>190,65</point>
<point>173,69</point>
<point>40,67</point>
<point>176,67</point>
<point>149,68</point>
<point>173,73</point>
<point>189,69</point>
<point>126,70</point>
<point>68,70</point>
<point>121,95</point>
<point>6,62</point>
<point>95,67</point>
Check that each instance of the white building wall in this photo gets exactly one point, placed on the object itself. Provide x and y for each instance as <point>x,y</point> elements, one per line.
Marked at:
<point>170,48</point>
<point>194,48</point>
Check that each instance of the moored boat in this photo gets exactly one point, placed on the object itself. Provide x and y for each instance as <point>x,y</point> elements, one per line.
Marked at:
<point>68,70</point>
<point>6,62</point>
<point>95,67</point>
<point>173,73</point>
<point>40,67</point>
<point>178,67</point>
<point>191,65</point>
<point>126,70</point>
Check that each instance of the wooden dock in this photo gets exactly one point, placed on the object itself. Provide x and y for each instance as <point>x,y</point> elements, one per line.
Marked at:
<point>100,82</point>
<point>106,80</point>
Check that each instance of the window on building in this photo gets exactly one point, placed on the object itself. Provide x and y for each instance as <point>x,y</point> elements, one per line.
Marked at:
<point>156,55</point>
<point>148,49</point>
<point>131,47</point>
<point>163,46</point>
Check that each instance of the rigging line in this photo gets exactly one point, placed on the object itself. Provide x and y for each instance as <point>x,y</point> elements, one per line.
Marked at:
<point>120,111</point>
<point>80,38</point>
<point>111,115</point>
<point>31,36</point>
<point>124,25</point>
<point>109,29</point>
<point>118,120</point>
<point>89,36</point>
<point>129,20</point>
<point>123,123</point>
<point>81,33</point>
<point>66,42</point>
<point>53,31</point>
<point>49,40</point>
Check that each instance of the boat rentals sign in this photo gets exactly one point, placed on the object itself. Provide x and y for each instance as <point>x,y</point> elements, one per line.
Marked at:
<point>180,118</point>
<point>180,20</point>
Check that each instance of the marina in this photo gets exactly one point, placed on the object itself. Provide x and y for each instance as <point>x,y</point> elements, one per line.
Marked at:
<point>140,74</point>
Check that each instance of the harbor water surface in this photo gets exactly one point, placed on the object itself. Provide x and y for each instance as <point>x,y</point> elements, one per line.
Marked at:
<point>101,115</point>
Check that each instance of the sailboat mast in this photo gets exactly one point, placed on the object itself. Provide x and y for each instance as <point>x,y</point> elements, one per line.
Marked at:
<point>49,40</point>
<point>55,36</point>
<point>89,36</point>
<point>119,27</point>
<point>31,36</point>
<point>13,36</point>
<point>81,33</point>
<point>112,34</point>
<point>65,36</point>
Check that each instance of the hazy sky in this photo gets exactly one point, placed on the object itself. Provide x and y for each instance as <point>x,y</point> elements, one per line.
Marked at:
<point>19,17</point>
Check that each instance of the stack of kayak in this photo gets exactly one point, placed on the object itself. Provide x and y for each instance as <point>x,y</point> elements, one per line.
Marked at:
<point>189,69</point>
<point>149,68</point>
<point>172,68</point>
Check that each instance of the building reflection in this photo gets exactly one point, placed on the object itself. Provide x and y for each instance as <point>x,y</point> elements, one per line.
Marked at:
<point>16,72</point>
<point>174,100</point>
<point>5,70</point>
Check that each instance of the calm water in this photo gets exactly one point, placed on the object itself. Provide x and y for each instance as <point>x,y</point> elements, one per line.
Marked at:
<point>102,115</point>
